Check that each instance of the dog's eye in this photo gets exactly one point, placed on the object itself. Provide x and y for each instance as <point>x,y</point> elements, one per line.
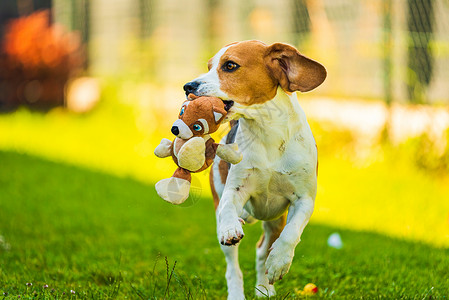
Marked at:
<point>182,110</point>
<point>230,66</point>
<point>197,127</point>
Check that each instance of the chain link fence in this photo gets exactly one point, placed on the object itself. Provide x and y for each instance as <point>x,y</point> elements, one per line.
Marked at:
<point>393,49</point>
<point>397,50</point>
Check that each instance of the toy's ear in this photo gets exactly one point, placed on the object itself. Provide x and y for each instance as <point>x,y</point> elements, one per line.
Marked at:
<point>293,71</point>
<point>192,96</point>
<point>219,114</point>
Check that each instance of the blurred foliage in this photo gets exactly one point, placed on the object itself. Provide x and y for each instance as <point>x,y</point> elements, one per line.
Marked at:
<point>332,140</point>
<point>36,61</point>
<point>430,155</point>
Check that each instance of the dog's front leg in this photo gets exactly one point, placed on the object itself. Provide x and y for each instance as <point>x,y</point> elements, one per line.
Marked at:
<point>281,255</point>
<point>230,208</point>
<point>234,276</point>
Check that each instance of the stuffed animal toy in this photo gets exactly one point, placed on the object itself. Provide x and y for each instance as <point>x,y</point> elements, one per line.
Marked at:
<point>193,150</point>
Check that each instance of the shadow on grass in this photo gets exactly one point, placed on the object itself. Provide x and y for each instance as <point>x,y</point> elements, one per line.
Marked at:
<point>106,237</point>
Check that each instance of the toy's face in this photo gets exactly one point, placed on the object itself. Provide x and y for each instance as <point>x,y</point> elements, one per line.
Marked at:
<point>199,117</point>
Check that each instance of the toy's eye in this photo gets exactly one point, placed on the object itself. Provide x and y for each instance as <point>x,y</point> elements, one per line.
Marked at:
<point>182,110</point>
<point>230,66</point>
<point>197,127</point>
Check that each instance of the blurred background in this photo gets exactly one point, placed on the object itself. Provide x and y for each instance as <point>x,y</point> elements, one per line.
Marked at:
<point>98,83</point>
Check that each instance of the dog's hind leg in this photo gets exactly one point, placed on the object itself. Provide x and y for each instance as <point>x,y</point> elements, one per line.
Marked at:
<point>272,230</point>
<point>283,249</point>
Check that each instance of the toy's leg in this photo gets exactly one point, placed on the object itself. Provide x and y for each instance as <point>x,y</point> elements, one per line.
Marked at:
<point>182,174</point>
<point>229,153</point>
<point>176,188</point>
<point>163,149</point>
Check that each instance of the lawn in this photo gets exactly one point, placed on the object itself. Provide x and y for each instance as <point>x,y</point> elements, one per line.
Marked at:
<point>107,237</point>
<point>78,212</point>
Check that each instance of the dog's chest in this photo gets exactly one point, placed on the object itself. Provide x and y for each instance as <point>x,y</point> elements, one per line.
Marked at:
<point>280,171</point>
<point>279,156</point>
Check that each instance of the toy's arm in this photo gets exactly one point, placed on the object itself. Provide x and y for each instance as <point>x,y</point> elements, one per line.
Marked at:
<point>229,153</point>
<point>163,149</point>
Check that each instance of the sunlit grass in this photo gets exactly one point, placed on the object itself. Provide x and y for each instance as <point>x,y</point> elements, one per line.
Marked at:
<point>388,196</point>
<point>108,139</point>
<point>385,193</point>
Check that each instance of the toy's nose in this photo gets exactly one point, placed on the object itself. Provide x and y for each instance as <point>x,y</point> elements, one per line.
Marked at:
<point>191,87</point>
<point>175,130</point>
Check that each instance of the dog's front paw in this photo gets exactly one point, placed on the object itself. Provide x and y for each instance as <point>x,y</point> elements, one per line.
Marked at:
<point>236,295</point>
<point>279,261</point>
<point>230,233</point>
<point>264,291</point>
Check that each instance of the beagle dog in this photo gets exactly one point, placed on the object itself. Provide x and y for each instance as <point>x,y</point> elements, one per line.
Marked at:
<point>276,181</point>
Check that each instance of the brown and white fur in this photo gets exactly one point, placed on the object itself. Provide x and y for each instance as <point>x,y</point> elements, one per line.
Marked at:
<point>276,182</point>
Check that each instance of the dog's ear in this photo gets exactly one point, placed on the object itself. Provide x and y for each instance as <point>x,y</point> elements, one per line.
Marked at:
<point>219,114</point>
<point>209,64</point>
<point>293,71</point>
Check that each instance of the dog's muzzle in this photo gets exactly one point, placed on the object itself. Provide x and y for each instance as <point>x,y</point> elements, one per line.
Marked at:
<point>228,104</point>
<point>191,87</point>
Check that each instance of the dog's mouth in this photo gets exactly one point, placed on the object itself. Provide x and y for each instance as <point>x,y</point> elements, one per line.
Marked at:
<point>228,104</point>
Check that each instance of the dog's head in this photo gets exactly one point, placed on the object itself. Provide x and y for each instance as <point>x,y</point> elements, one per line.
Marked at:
<point>198,117</point>
<point>250,72</point>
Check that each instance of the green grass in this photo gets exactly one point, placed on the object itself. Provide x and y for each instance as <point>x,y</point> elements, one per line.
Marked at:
<point>79,212</point>
<point>107,237</point>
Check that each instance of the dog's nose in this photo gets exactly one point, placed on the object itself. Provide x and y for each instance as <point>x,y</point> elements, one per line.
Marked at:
<point>175,130</point>
<point>191,87</point>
